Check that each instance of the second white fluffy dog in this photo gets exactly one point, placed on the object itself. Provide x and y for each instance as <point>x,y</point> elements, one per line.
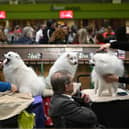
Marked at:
<point>67,61</point>
<point>106,63</point>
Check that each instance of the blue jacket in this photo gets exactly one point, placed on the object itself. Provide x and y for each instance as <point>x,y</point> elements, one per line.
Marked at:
<point>4,86</point>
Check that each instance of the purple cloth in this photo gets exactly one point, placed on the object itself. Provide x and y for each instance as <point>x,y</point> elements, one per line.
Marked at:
<point>37,108</point>
<point>37,99</point>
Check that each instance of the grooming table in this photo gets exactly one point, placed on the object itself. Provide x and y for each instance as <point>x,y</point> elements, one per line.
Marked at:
<point>36,107</point>
<point>112,111</point>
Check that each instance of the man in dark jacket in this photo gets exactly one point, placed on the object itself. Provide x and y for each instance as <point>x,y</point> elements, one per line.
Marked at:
<point>64,110</point>
<point>47,32</point>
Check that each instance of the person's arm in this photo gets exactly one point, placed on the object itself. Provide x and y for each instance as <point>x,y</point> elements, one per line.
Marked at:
<point>124,80</point>
<point>4,86</point>
<point>114,78</point>
<point>123,45</point>
<point>82,99</point>
<point>116,45</point>
<point>76,113</point>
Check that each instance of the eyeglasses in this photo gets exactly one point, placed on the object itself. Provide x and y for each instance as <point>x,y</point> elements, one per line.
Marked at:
<point>69,82</point>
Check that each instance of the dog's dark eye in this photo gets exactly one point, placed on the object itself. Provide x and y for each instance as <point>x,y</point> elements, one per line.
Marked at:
<point>9,54</point>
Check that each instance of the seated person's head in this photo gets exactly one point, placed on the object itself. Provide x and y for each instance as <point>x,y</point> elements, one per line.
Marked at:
<point>61,82</point>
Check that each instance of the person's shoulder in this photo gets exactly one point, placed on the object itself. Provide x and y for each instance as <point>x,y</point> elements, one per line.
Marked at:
<point>60,98</point>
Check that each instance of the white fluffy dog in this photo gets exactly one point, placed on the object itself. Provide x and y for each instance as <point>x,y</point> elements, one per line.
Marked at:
<point>24,77</point>
<point>67,61</point>
<point>106,63</point>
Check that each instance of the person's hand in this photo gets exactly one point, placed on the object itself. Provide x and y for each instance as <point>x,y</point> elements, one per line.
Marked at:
<point>13,88</point>
<point>86,98</point>
<point>104,47</point>
<point>109,78</point>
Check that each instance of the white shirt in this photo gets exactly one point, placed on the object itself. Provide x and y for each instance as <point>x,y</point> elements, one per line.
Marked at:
<point>39,35</point>
<point>69,96</point>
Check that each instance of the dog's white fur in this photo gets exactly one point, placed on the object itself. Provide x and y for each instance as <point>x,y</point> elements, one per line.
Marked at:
<point>24,77</point>
<point>106,63</point>
<point>67,61</point>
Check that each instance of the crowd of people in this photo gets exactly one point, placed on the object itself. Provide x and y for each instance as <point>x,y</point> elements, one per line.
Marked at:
<point>52,32</point>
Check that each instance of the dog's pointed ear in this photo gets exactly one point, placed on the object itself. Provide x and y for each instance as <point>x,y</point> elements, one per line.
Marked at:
<point>18,57</point>
<point>77,53</point>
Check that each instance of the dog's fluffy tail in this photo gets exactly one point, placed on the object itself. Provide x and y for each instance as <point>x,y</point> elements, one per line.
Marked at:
<point>45,91</point>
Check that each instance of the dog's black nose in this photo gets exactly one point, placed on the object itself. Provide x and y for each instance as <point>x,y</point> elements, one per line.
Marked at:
<point>75,63</point>
<point>92,64</point>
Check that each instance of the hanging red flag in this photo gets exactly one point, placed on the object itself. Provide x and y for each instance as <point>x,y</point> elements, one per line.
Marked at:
<point>2,14</point>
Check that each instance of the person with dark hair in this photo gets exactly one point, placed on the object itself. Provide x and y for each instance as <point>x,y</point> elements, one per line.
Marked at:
<point>71,34</point>
<point>99,39</point>
<point>90,34</point>
<point>64,110</point>
<point>109,34</point>
<point>58,37</point>
<point>51,24</point>
<point>121,34</point>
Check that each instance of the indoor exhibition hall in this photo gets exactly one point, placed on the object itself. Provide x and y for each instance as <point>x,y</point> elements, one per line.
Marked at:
<point>64,64</point>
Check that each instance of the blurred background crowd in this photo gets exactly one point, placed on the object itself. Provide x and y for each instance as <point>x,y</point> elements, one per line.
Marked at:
<point>52,32</point>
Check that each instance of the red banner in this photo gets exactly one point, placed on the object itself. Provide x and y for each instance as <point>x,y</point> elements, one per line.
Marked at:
<point>2,14</point>
<point>66,14</point>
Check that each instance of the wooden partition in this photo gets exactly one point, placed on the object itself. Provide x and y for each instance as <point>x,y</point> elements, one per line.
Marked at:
<point>42,57</point>
<point>47,53</point>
